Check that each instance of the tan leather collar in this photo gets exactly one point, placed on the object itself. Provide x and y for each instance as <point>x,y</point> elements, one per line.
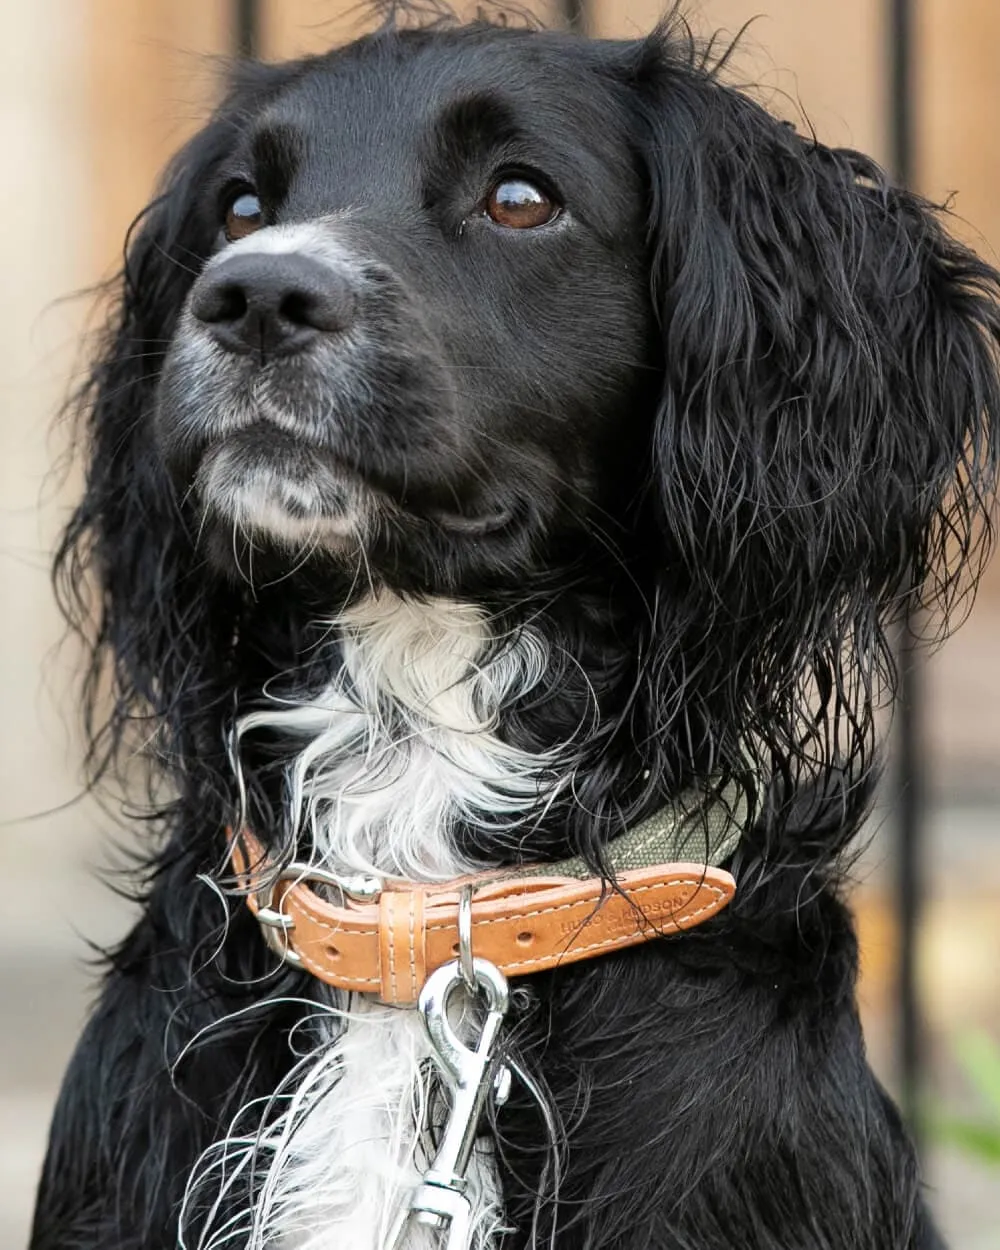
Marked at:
<point>524,920</point>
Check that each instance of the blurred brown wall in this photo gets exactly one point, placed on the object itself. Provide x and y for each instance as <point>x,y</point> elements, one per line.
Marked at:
<point>153,70</point>
<point>150,80</point>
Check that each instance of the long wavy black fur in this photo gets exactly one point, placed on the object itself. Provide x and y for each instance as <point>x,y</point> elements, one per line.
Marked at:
<point>822,453</point>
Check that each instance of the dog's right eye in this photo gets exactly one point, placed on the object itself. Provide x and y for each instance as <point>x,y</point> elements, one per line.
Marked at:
<point>244,214</point>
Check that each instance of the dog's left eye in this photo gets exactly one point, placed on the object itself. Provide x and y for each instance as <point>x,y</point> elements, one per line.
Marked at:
<point>244,214</point>
<point>519,205</point>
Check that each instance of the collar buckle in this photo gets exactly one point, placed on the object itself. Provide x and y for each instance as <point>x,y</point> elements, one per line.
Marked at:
<point>276,925</point>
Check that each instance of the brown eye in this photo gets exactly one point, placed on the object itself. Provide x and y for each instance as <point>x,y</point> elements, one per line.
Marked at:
<point>519,205</point>
<point>243,216</point>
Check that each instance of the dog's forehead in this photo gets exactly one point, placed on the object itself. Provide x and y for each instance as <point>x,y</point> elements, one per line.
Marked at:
<point>374,114</point>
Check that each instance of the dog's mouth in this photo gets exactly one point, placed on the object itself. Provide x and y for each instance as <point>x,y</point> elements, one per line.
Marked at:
<point>266,482</point>
<point>261,481</point>
<point>476,526</point>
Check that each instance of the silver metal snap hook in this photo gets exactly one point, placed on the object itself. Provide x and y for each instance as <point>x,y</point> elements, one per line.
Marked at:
<point>472,1076</point>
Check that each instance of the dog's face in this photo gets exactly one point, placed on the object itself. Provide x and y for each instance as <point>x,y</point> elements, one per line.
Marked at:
<point>536,320</point>
<point>425,328</point>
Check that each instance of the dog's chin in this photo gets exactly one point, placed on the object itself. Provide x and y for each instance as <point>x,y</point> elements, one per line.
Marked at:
<point>271,493</point>
<point>272,504</point>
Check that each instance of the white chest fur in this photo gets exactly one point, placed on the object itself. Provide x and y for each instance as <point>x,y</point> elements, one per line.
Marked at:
<point>398,750</point>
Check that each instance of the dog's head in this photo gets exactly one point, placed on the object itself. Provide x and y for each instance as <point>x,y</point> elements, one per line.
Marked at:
<point>420,333</point>
<point>481,310</point>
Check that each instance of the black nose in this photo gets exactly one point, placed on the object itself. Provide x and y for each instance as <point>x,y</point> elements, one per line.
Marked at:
<point>272,303</point>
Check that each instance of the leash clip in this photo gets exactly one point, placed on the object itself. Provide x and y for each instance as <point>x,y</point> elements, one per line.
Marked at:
<point>472,1076</point>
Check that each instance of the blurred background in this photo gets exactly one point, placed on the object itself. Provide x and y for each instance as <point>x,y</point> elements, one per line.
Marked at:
<point>94,96</point>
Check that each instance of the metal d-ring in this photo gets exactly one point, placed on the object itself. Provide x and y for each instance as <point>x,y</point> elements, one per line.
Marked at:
<point>276,926</point>
<point>466,962</point>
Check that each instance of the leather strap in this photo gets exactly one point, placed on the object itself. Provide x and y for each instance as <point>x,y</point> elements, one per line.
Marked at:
<point>524,922</point>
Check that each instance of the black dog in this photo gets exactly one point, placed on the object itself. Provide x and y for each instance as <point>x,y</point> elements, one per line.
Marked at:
<point>502,434</point>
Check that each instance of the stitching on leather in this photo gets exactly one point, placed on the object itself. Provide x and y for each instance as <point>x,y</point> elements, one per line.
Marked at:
<point>343,982</point>
<point>334,927</point>
<point>513,968</point>
<point>414,988</point>
<point>584,902</point>
<point>391,917</point>
<point>607,943</point>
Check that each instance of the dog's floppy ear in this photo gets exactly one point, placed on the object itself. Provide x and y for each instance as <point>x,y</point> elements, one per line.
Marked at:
<point>128,556</point>
<point>826,440</point>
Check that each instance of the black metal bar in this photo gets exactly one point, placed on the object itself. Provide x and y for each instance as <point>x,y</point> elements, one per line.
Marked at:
<point>246,27</point>
<point>574,14</point>
<point>910,806</point>
<point>910,763</point>
<point>901,90</point>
